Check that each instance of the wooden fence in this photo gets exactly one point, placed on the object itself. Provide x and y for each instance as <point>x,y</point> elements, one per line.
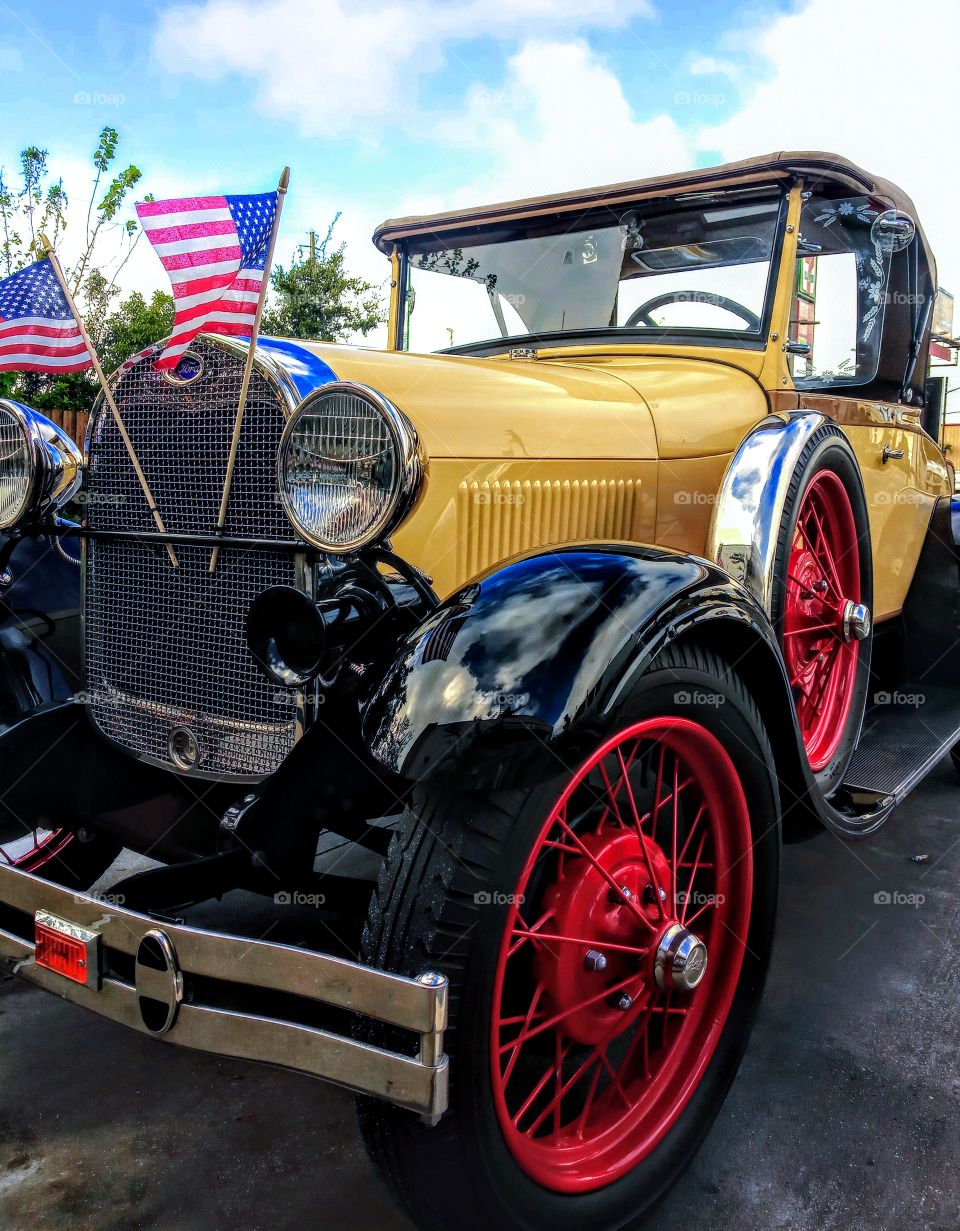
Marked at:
<point>73,422</point>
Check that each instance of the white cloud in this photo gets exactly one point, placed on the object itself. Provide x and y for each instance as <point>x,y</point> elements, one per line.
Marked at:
<point>710,66</point>
<point>142,272</point>
<point>832,77</point>
<point>336,66</point>
<point>559,120</point>
<point>557,117</point>
<point>78,178</point>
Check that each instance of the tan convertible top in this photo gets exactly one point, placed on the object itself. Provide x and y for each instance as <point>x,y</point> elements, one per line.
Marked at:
<point>813,165</point>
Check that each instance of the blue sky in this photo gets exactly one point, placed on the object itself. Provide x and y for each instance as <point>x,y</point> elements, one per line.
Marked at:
<point>382,107</point>
<point>210,129</point>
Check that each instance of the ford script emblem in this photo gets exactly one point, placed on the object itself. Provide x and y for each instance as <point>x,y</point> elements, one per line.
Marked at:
<point>159,981</point>
<point>184,748</point>
<point>189,369</point>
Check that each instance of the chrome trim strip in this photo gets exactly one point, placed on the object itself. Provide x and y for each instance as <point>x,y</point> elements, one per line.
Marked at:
<point>179,714</point>
<point>418,1005</point>
<point>748,513</point>
<point>202,775</point>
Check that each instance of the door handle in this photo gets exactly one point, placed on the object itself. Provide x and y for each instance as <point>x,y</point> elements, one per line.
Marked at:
<point>889,453</point>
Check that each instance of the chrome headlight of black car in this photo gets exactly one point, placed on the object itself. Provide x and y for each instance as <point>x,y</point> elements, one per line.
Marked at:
<point>40,466</point>
<point>350,467</point>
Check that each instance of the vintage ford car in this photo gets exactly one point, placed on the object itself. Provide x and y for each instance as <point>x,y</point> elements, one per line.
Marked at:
<point>562,627</point>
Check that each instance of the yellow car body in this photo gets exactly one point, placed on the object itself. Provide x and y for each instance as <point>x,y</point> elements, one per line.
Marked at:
<point>624,442</point>
<point>689,589</point>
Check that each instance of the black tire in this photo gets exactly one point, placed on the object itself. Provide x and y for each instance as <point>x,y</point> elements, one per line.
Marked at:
<point>425,915</point>
<point>828,449</point>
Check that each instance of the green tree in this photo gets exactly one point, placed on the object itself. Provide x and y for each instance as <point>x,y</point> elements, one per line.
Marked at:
<point>135,324</point>
<point>316,297</point>
<point>37,205</point>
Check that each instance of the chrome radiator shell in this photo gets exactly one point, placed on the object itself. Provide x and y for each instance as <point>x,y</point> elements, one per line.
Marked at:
<point>165,649</point>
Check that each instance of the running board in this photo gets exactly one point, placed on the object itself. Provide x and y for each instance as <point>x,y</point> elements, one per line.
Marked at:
<point>904,734</point>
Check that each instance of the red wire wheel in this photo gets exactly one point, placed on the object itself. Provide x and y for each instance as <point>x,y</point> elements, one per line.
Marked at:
<point>823,580</point>
<point>621,954</point>
<point>35,850</point>
<point>59,855</point>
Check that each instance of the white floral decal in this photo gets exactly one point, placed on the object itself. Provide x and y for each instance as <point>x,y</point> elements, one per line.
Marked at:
<point>871,268</point>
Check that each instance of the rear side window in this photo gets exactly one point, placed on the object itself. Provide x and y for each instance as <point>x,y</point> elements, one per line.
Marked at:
<point>840,297</point>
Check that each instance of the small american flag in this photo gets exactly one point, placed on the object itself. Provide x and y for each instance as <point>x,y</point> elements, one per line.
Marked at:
<point>38,332</point>
<point>215,250</point>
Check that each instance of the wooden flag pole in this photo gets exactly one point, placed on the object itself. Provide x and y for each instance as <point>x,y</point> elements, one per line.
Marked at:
<point>248,369</point>
<point>108,394</point>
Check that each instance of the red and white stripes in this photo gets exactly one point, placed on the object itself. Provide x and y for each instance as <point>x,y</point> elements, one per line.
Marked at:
<point>41,344</point>
<point>200,246</point>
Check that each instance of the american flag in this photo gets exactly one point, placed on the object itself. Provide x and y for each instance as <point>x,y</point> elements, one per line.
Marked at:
<point>38,332</point>
<point>215,250</point>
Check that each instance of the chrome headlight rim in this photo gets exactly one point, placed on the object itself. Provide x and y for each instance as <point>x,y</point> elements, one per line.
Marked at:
<point>411,468</point>
<point>23,422</point>
<point>56,465</point>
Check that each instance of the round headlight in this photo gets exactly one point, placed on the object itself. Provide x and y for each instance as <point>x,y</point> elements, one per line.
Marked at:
<point>16,467</point>
<point>349,467</point>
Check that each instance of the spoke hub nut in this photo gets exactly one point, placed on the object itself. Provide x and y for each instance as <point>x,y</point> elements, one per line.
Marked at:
<point>681,960</point>
<point>856,621</point>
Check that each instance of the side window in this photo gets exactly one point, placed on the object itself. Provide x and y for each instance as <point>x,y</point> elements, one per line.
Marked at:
<point>840,297</point>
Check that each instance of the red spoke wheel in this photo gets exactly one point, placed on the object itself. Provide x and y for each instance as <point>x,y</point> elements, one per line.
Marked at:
<point>823,584</point>
<point>34,850</point>
<point>621,954</point>
<point>59,855</point>
<point>821,598</point>
<point>606,932</point>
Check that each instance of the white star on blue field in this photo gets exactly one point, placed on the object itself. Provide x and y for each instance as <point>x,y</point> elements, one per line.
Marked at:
<point>253,218</point>
<point>33,291</point>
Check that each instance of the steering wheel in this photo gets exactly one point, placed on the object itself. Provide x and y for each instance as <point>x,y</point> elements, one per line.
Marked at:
<point>641,315</point>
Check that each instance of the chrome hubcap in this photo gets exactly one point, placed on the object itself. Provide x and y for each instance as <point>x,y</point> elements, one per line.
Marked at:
<point>681,960</point>
<point>856,621</point>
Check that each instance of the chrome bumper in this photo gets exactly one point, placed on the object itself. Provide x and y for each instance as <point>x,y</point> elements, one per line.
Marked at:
<point>164,979</point>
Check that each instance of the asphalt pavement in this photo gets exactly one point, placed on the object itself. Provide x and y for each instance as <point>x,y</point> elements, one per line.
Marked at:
<point>846,1113</point>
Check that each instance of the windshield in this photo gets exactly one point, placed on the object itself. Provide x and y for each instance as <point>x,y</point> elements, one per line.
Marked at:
<point>669,269</point>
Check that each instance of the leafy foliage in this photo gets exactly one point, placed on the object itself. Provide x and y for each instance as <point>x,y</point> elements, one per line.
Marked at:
<point>315,297</point>
<point>318,298</point>
<point>37,206</point>
<point>135,324</point>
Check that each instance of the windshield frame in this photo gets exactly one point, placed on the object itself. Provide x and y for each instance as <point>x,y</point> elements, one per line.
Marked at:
<point>746,339</point>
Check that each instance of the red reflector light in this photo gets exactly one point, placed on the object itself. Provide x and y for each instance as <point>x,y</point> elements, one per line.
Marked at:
<point>67,949</point>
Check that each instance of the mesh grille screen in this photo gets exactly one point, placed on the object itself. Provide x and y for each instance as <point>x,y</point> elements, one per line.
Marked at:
<point>165,646</point>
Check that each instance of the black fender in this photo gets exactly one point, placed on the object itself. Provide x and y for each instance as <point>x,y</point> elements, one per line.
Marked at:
<point>535,652</point>
<point>40,629</point>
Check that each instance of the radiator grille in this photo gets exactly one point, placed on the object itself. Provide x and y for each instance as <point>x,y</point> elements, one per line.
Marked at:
<point>165,646</point>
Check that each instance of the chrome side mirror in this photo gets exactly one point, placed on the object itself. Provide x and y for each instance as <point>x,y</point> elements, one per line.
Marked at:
<point>893,231</point>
